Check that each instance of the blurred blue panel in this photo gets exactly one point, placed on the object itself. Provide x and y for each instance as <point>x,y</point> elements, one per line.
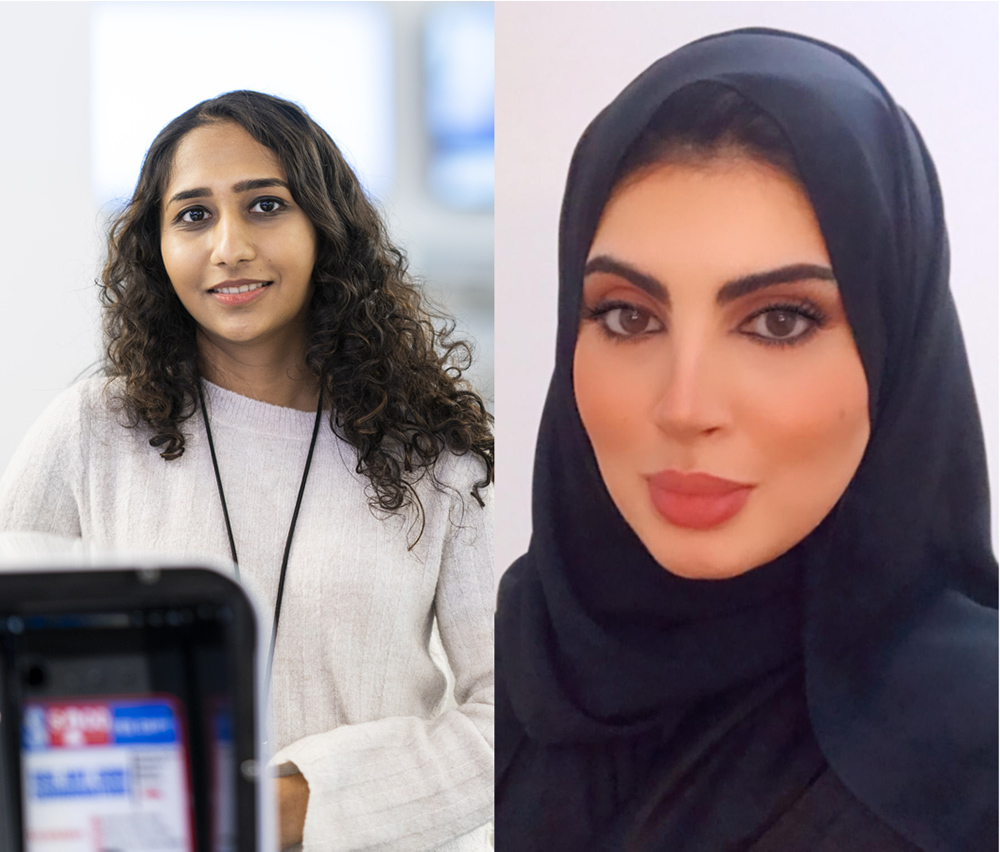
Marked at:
<point>458,62</point>
<point>151,61</point>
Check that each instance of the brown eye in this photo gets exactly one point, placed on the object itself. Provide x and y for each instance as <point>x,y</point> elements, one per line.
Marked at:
<point>193,215</point>
<point>780,325</point>
<point>630,321</point>
<point>267,205</point>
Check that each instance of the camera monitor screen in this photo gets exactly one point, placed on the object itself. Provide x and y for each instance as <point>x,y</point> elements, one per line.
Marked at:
<point>134,710</point>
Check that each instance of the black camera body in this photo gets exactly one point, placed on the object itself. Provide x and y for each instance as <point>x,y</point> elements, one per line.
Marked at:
<point>129,710</point>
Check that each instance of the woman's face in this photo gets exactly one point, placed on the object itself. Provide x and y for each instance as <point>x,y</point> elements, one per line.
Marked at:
<point>238,250</point>
<point>715,371</point>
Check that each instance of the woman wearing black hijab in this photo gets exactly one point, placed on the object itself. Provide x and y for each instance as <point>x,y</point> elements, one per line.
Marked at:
<point>842,694</point>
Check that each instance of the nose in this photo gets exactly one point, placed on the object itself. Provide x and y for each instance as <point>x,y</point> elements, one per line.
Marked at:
<point>691,401</point>
<point>232,240</point>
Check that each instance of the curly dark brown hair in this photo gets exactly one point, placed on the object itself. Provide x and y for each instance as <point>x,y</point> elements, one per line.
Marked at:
<point>387,364</point>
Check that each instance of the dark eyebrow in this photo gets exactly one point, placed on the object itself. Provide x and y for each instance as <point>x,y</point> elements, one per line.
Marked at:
<point>646,283</point>
<point>259,183</point>
<point>242,186</point>
<point>729,292</point>
<point>740,287</point>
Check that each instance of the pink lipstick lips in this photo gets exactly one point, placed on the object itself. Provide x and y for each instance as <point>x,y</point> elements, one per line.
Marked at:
<point>239,292</point>
<point>696,500</point>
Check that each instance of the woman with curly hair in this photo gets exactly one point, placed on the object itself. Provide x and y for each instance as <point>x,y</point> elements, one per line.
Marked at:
<point>250,295</point>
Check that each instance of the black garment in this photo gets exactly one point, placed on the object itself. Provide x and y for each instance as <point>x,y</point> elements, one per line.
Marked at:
<point>681,794</point>
<point>889,607</point>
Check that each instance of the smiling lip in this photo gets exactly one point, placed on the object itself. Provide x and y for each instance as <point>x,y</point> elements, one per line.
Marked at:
<point>696,500</point>
<point>239,291</point>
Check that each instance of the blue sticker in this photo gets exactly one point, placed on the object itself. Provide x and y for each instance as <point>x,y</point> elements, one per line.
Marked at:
<point>143,723</point>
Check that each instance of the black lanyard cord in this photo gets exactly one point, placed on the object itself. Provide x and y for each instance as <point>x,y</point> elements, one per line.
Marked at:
<point>218,480</point>
<point>291,528</point>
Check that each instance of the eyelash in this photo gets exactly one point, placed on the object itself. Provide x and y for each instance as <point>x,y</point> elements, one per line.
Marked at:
<point>805,308</point>
<point>602,309</point>
<point>817,318</point>
<point>179,219</point>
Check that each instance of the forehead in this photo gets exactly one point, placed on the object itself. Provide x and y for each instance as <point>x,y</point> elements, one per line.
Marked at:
<point>712,220</point>
<point>220,153</point>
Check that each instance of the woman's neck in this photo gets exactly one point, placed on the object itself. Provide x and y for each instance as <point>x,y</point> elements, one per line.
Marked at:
<point>276,375</point>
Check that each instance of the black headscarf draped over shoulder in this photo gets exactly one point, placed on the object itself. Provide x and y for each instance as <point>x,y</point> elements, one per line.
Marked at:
<point>889,606</point>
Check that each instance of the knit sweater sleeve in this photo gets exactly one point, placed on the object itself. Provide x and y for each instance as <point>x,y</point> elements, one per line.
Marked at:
<point>410,783</point>
<point>39,490</point>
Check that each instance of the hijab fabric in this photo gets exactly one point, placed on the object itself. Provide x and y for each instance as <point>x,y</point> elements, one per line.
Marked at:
<point>889,606</point>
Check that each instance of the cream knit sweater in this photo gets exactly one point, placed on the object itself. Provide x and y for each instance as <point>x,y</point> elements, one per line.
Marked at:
<point>357,703</point>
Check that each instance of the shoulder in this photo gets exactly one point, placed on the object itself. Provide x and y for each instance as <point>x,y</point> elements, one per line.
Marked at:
<point>932,721</point>
<point>83,418</point>
<point>465,474</point>
<point>45,476</point>
<point>461,483</point>
<point>72,411</point>
<point>458,501</point>
<point>83,402</point>
<point>956,642</point>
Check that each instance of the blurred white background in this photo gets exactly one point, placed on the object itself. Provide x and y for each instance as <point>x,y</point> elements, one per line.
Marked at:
<point>88,85</point>
<point>559,64</point>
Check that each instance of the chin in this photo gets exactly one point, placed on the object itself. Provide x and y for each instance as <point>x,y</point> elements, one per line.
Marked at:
<point>702,569</point>
<point>708,555</point>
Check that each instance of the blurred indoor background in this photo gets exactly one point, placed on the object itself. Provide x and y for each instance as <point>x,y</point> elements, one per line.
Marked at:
<point>405,89</point>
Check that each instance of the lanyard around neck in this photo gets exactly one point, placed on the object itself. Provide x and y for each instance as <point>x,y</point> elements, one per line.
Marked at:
<point>291,528</point>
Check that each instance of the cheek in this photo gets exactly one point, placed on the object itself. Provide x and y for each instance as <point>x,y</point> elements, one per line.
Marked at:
<point>173,261</point>
<point>816,423</point>
<point>611,400</point>
<point>313,252</point>
<point>291,252</point>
